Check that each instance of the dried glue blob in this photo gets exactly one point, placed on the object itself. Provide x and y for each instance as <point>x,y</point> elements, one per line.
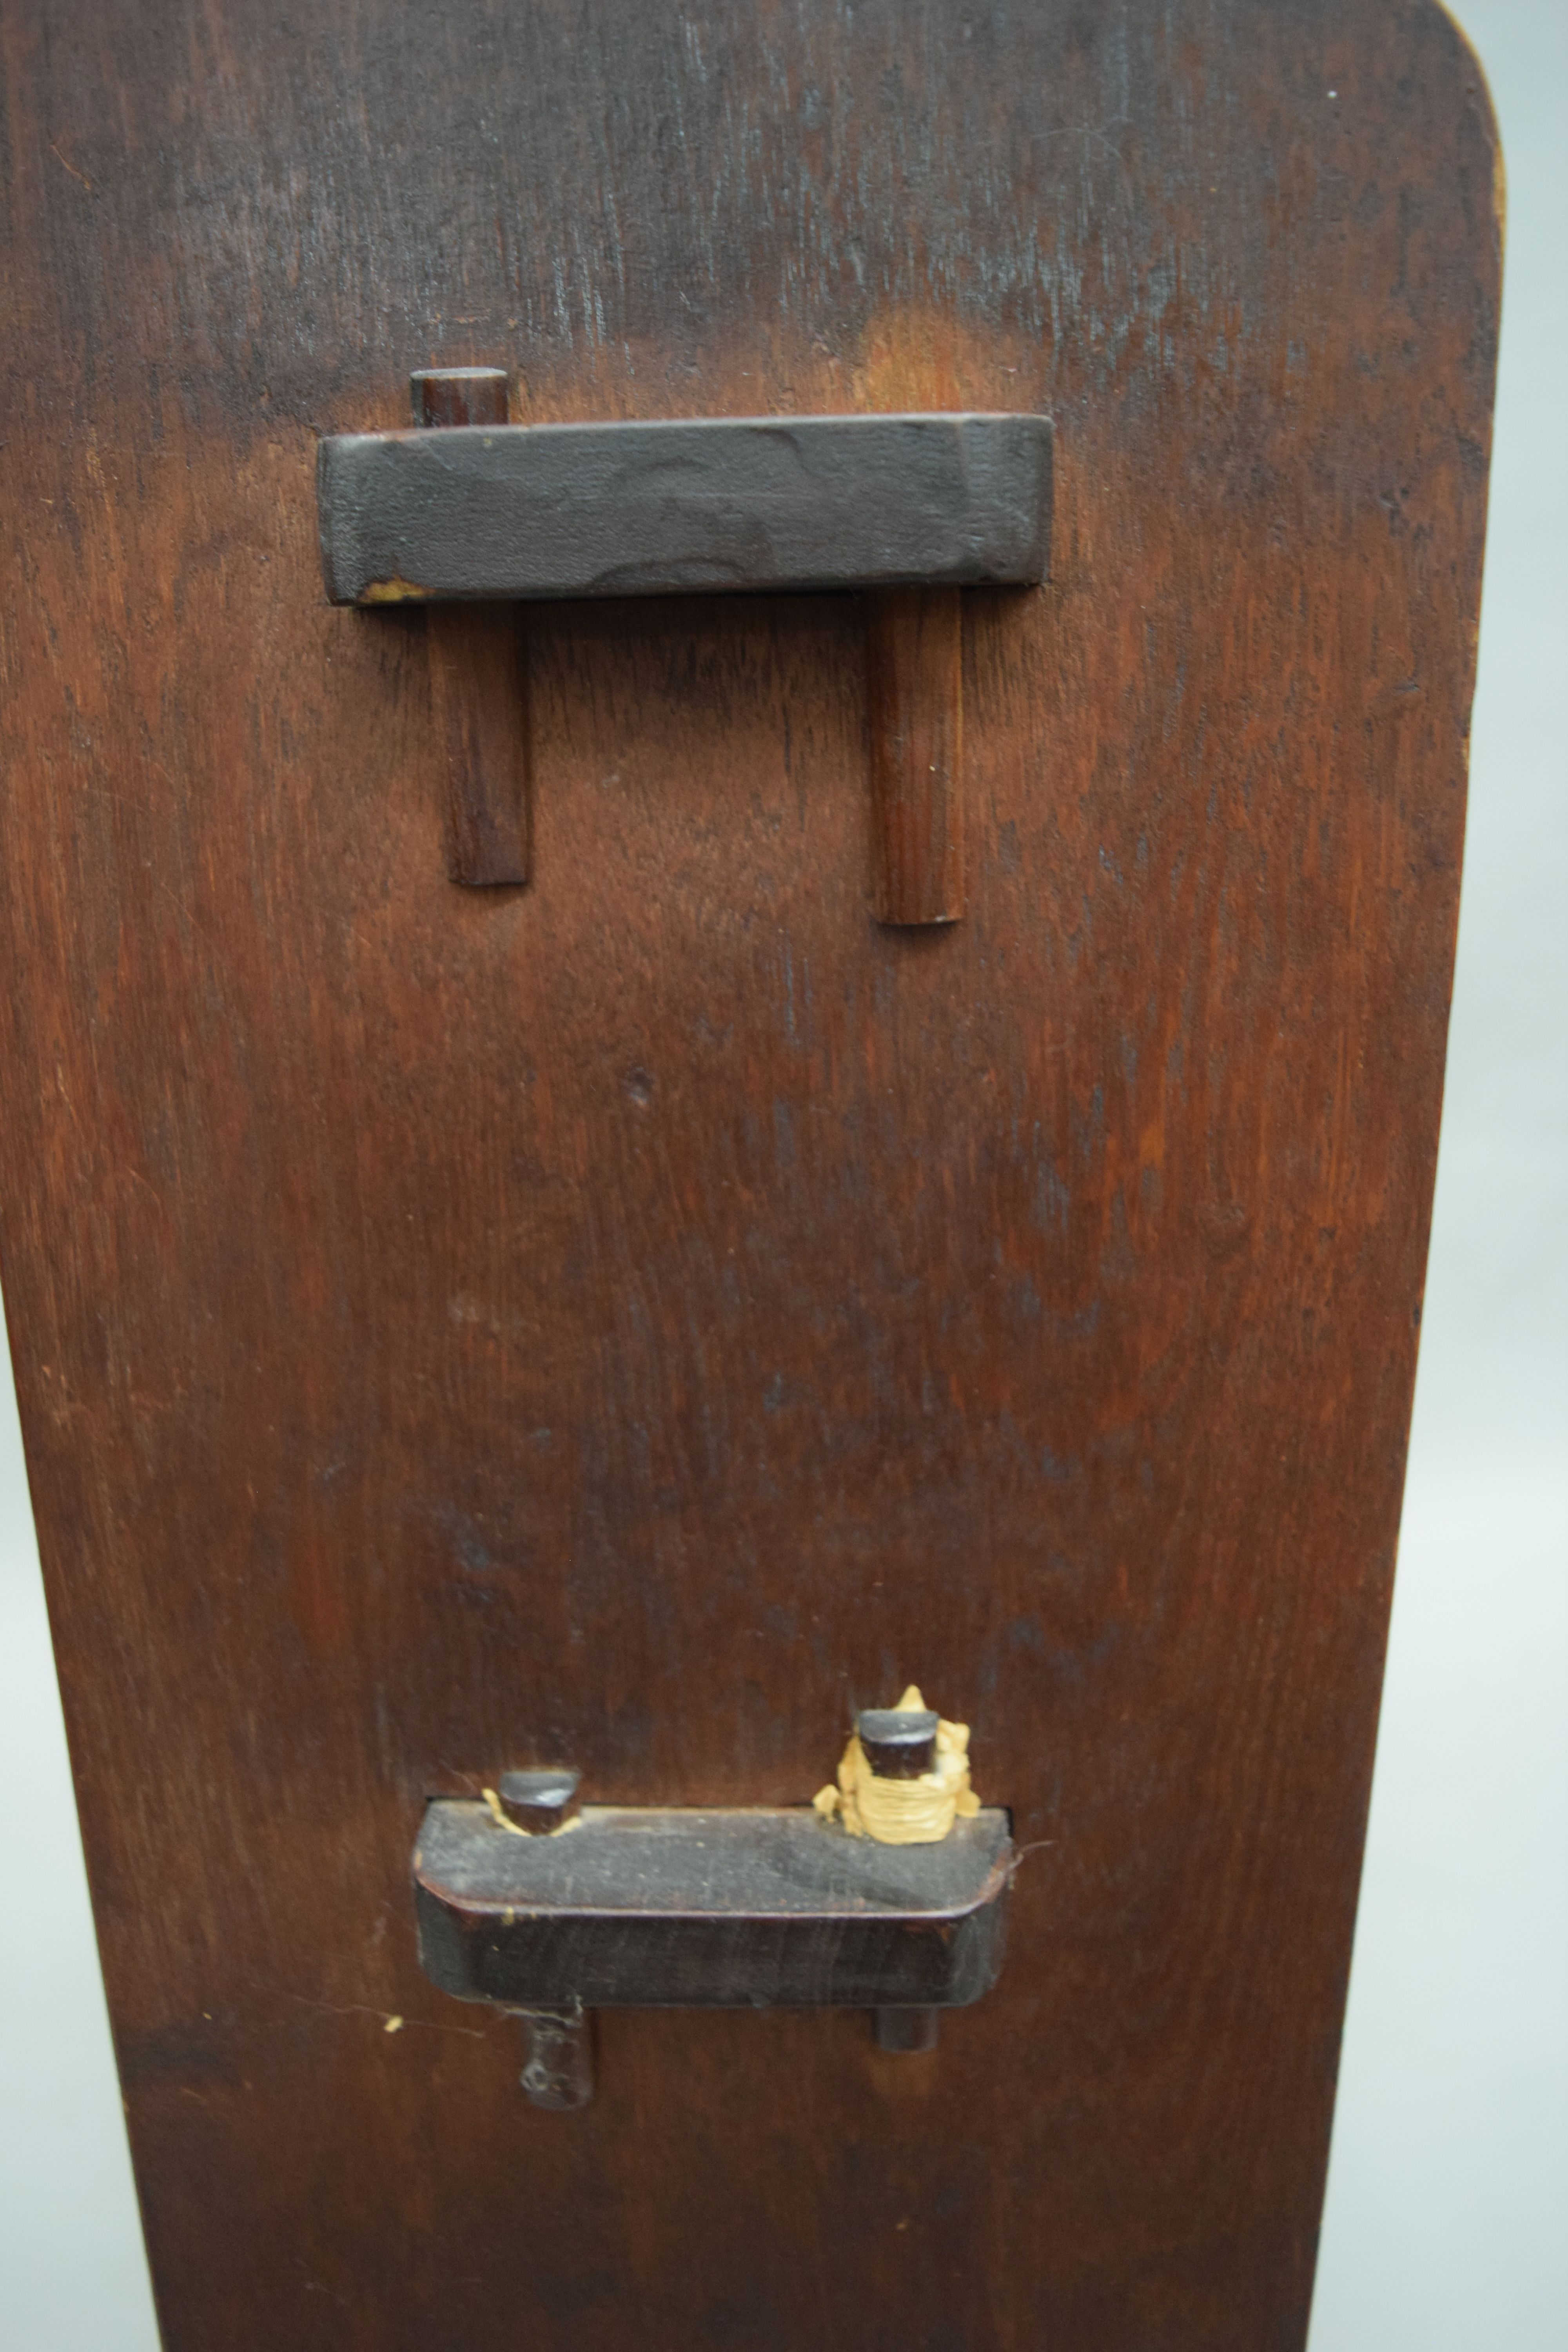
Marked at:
<point>895,1809</point>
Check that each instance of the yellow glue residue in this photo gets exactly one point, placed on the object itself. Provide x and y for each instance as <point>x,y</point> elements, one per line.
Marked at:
<point>903,1812</point>
<point>501,1823</point>
<point>499,1819</point>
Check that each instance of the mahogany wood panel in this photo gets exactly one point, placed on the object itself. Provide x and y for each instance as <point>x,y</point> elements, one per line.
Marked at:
<point>633,1319</point>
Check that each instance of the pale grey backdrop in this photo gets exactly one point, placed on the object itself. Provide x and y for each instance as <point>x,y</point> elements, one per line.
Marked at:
<point>1446,2228</point>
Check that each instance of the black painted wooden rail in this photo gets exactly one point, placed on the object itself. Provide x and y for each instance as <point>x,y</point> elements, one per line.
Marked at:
<point>758,1907</point>
<point>528,513</point>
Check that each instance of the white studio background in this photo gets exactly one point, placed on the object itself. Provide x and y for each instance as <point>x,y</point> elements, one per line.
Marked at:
<point>1447,2226</point>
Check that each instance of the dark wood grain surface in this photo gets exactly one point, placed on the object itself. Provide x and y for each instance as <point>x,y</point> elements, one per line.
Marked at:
<point>634,1319</point>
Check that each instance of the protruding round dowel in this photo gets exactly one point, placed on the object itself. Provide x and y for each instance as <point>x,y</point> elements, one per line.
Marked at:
<point>539,1801</point>
<point>899,1743</point>
<point>906,2032</point>
<point>465,395</point>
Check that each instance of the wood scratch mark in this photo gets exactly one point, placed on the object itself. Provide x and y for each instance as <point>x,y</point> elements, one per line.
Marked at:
<point>1034,1846</point>
<point>383,2016</point>
<point>122,800</point>
<point>72,168</point>
<point>135,1176</point>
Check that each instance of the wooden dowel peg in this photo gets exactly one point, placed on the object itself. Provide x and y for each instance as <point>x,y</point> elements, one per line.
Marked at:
<point>539,1802</point>
<point>915,676</point>
<point>899,1743</point>
<point>558,2073</point>
<point>478,683</point>
<point>465,395</point>
<point>908,2032</point>
<point>478,692</point>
